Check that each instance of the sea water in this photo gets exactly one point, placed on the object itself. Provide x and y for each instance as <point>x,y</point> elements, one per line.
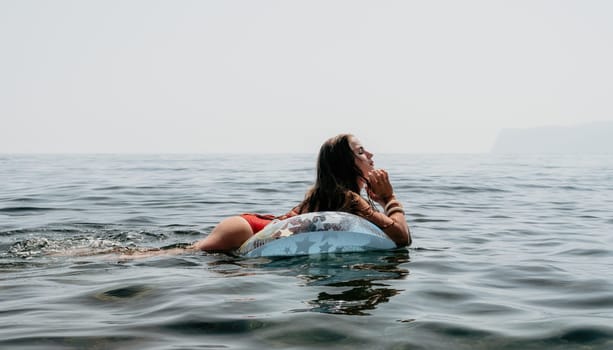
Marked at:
<point>509,252</point>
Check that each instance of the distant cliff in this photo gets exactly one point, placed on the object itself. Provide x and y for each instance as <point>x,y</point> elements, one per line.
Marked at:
<point>593,138</point>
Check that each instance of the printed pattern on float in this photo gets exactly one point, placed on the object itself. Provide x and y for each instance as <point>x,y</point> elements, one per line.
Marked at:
<point>316,233</point>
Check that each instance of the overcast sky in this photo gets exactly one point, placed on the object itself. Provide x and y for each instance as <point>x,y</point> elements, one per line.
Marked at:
<point>282,76</point>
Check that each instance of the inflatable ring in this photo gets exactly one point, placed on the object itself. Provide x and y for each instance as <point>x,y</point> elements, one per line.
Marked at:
<point>316,233</point>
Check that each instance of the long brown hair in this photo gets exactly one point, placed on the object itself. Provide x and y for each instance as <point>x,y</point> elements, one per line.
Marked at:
<point>337,178</point>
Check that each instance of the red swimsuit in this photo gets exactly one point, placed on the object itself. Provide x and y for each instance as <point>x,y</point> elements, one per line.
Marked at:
<point>257,221</point>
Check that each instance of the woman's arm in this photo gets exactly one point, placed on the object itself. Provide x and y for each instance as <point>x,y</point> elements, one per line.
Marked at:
<point>394,225</point>
<point>392,221</point>
<point>399,231</point>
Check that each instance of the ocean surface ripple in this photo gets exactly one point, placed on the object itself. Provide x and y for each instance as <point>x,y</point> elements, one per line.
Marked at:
<point>510,252</point>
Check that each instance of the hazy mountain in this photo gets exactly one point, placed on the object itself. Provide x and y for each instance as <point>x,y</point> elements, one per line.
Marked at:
<point>596,137</point>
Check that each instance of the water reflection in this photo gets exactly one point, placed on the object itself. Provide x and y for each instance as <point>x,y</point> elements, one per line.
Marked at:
<point>358,279</point>
<point>351,302</point>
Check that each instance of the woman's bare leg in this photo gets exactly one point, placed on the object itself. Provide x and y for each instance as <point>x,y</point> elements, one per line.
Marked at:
<point>229,234</point>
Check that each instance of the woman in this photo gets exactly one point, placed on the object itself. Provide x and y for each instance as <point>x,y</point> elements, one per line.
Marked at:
<point>344,168</point>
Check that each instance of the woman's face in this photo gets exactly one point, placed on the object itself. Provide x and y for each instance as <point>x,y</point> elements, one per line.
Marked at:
<point>363,158</point>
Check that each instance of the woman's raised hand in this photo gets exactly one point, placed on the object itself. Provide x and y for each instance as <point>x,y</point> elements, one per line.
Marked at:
<point>379,187</point>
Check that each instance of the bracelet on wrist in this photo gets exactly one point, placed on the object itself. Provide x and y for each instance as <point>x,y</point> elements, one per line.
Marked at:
<point>395,210</point>
<point>391,204</point>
